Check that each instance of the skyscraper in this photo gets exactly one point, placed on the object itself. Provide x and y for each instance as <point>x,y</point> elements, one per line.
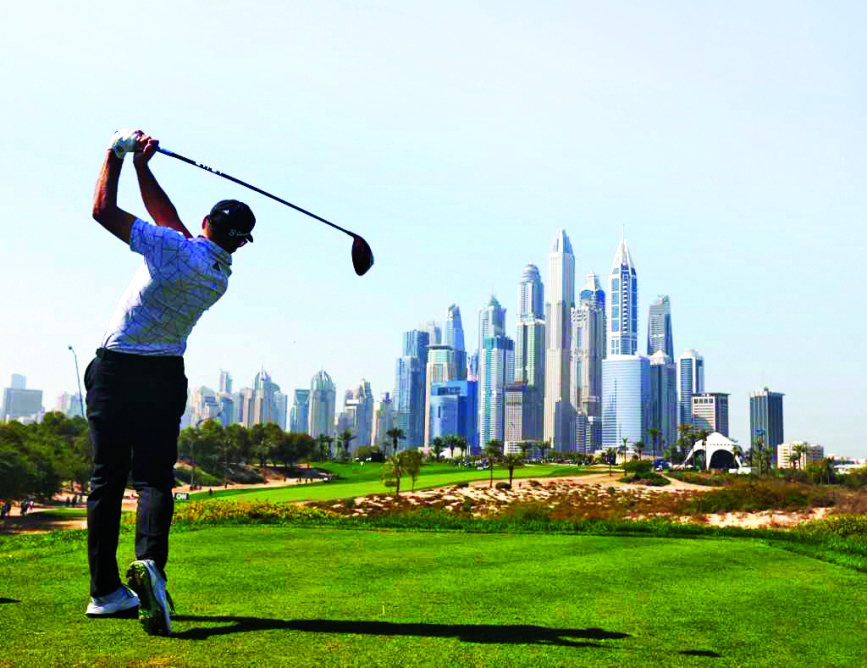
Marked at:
<point>530,356</point>
<point>623,311</point>
<point>265,400</point>
<point>766,419</point>
<point>585,375</point>
<point>659,335</point>
<point>558,417</point>
<point>454,411</point>
<point>225,382</point>
<point>531,295</point>
<point>453,336</point>
<point>434,332</point>
<point>690,380</point>
<point>442,366</point>
<point>300,412</point>
<point>710,411</point>
<point>383,421</point>
<point>358,413</point>
<point>663,402</point>
<point>496,368</point>
<point>20,403</point>
<point>625,400</point>
<point>323,397</point>
<point>409,387</point>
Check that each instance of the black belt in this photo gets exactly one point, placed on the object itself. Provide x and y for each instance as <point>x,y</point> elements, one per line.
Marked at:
<point>131,358</point>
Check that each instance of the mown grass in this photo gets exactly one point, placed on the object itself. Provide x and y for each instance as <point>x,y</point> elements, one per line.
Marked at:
<point>284,595</point>
<point>356,480</point>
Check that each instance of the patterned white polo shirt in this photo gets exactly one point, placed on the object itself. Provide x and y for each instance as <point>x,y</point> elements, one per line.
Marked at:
<point>179,280</point>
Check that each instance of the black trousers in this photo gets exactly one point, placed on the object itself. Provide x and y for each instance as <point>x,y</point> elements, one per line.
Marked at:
<point>134,408</point>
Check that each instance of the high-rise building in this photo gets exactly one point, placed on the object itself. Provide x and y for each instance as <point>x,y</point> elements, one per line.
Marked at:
<point>409,387</point>
<point>300,412</point>
<point>530,355</point>
<point>453,336</point>
<point>225,382</point>
<point>323,398</point>
<point>496,368</point>
<point>625,400</point>
<point>585,374</point>
<point>531,295</point>
<point>766,419</point>
<point>623,309</point>
<point>785,451</point>
<point>442,366</point>
<point>205,405</point>
<point>659,336</point>
<point>690,381</point>
<point>710,411</point>
<point>454,411</point>
<point>518,414</point>
<point>663,402</point>
<point>70,405</point>
<point>19,403</point>
<point>360,406</point>
<point>560,299</point>
<point>268,402</point>
<point>434,332</point>
<point>383,421</point>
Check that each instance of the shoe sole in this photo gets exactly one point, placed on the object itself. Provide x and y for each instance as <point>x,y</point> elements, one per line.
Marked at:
<point>153,614</point>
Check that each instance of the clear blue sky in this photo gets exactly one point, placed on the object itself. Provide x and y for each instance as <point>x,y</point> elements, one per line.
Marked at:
<point>457,138</point>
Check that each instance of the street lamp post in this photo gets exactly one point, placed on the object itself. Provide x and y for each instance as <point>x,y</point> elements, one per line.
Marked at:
<point>78,378</point>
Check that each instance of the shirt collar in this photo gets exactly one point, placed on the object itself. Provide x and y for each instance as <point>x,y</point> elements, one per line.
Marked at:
<point>220,254</point>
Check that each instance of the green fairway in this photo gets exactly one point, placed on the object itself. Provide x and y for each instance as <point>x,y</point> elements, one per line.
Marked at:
<point>257,595</point>
<point>360,481</point>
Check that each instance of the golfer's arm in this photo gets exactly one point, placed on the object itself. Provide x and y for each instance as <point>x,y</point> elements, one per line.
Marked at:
<point>105,209</point>
<point>157,203</point>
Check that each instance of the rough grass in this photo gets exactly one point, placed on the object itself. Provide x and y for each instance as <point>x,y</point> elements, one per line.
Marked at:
<point>274,595</point>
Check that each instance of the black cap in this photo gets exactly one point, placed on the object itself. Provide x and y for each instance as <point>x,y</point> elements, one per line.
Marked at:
<point>233,218</point>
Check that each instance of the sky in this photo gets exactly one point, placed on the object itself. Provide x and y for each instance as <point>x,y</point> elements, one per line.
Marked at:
<point>728,141</point>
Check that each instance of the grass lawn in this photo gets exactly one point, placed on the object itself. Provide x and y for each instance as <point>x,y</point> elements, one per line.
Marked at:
<point>357,480</point>
<point>270,595</point>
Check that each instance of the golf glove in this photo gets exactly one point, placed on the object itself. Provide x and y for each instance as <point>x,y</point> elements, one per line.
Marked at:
<point>123,142</point>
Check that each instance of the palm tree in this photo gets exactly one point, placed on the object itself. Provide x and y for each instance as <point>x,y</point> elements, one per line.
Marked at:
<point>412,463</point>
<point>461,443</point>
<point>492,450</point>
<point>511,462</point>
<point>438,447</point>
<point>794,458</point>
<point>654,439</point>
<point>345,438</point>
<point>624,447</point>
<point>395,434</point>
<point>544,445</point>
<point>801,450</point>
<point>639,448</point>
<point>525,446</point>
<point>611,453</point>
<point>684,442</point>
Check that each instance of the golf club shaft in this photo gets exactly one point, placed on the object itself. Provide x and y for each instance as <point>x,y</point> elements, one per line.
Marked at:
<point>254,188</point>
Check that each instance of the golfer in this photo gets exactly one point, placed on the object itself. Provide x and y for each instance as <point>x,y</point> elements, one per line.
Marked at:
<point>136,387</point>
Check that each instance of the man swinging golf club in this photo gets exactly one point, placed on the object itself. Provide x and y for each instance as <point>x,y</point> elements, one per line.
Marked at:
<point>136,387</point>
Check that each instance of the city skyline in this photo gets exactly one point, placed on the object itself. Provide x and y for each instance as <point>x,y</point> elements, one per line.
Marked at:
<point>732,154</point>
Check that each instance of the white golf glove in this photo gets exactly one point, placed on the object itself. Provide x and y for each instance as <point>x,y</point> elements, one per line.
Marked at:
<point>123,142</point>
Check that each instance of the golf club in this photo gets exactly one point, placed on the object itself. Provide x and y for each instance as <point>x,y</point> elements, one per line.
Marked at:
<point>362,256</point>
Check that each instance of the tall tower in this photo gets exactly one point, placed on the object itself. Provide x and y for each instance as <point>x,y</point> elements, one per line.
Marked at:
<point>766,419</point>
<point>530,356</point>
<point>663,401</point>
<point>442,367</point>
<point>588,350</point>
<point>496,368</point>
<point>409,387</point>
<point>453,336</point>
<point>659,327</point>
<point>558,334</point>
<point>690,380</point>
<point>299,415</point>
<point>323,398</point>
<point>623,312</point>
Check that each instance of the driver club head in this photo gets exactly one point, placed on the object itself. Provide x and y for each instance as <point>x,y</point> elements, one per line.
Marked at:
<point>362,256</point>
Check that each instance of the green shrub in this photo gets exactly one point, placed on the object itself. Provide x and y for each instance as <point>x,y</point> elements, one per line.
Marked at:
<point>638,467</point>
<point>212,512</point>
<point>503,485</point>
<point>528,511</point>
<point>535,483</point>
<point>843,526</point>
<point>463,484</point>
<point>349,503</point>
<point>467,505</point>
<point>203,479</point>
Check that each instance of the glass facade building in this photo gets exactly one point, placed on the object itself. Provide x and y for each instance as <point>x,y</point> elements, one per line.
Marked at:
<point>454,410</point>
<point>560,299</point>
<point>497,364</point>
<point>690,380</point>
<point>766,419</point>
<point>323,400</point>
<point>663,402</point>
<point>409,387</point>
<point>710,411</point>
<point>625,400</point>
<point>623,308</point>
<point>659,335</point>
<point>298,414</point>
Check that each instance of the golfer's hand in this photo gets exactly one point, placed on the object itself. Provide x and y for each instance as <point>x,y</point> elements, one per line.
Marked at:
<point>147,147</point>
<point>125,141</point>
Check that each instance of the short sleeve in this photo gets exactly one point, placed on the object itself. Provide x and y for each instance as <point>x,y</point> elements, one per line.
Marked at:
<point>160,246</point>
